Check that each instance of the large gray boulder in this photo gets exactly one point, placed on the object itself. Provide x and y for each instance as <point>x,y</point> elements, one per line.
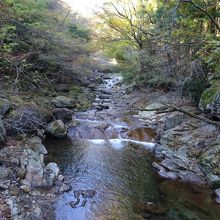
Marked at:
<point>63,102</point>
<point>173,120</point>
<point>5,105</point>
<point>56,129</point>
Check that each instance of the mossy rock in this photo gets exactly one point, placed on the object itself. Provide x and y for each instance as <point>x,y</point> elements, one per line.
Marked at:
<point>56,129</point>
<point>210,99</point>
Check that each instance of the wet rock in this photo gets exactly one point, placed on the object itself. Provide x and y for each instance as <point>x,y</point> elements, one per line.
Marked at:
<point>86,194</point>
<point>173,120</point>
<point>61,178</point>
<point>63,188</point>
<point>105,91</point>
<point>176,168</point>
<point>101,107</point>
<point>51,173</point>
<point>104,96</point>
<point>63,102</point>
<point>5,105</point>
<point>56,129</point>
<point>2,131</point>
<point>217,195</point>
<point>62,114</point>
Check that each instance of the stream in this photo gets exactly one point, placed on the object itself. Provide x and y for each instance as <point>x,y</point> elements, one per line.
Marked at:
<point>107,160</point>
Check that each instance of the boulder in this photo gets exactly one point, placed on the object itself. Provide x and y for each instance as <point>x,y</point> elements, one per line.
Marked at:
<point>210,99</point>
<point>57,129</point>
<point>106,92</point>
<point>5,105</point>
<point>62,114</point>
<point>34,174</point>
<point>176,118</point>
<point>63,102</point>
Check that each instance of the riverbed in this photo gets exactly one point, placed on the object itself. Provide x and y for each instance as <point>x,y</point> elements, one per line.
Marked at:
<point>107,160</point>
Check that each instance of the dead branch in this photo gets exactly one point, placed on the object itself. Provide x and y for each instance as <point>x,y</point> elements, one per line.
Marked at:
<point>191,114</point>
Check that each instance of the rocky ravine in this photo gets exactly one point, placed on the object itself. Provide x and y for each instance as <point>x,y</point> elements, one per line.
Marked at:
<point>187,149</point>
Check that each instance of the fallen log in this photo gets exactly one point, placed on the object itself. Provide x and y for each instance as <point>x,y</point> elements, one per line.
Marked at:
<point>191,114</point>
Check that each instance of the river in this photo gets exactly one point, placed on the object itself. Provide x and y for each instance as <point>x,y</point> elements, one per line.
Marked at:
<point>107,160</point>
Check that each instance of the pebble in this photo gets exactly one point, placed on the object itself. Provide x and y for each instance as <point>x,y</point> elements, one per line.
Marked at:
<point>61,178</point>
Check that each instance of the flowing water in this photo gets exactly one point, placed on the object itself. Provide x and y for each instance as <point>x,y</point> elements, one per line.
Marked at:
<point>107,161</point>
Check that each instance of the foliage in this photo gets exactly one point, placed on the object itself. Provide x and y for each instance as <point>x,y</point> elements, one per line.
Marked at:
<point>39,41</point>
<point>172,41</point>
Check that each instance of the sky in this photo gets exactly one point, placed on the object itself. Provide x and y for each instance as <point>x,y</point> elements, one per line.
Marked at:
<point>85,7</point>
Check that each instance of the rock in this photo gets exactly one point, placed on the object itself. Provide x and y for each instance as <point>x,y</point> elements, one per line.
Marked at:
<point>217,194</point>
<point>26,188</point>
<point>5,105</point>
<point>37,146</point>
<point>101,107</point>
<point>21,173</point>
<point>173,120</point>
<point>210,99</point>
<point>14,190</point>
<point>180,168</point>
<point>105,91</point>
<point>61,178</point>
<point>4,172</point>
<point>62,88</point>
<point>34,174</point>
<point>56,129</point>
<point>2,131</point>
<point>209,161</point>
<point>213,180</point>
<point>51,173</point>
<point>63,188</point>
<point>62,114</point>
<point>104,97</point>
<point>63,102</point>
<point>4,185</point>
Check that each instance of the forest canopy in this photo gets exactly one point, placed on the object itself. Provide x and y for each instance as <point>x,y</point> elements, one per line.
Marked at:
<point>162,43</point>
